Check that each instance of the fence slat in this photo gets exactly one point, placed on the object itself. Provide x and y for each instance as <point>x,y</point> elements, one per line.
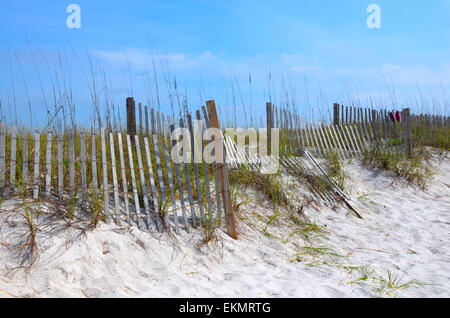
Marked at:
<point>12,168</point>
<point>153,183</point>
<point>141,126</point>
<point>318,145</point>
<point>171,187</point>
<point>308,136</point>
<point>133,183</point>
<point>114,175</point>
<point>179,185</point>
<point>344,131</point>
<point>160,174</point>
<point>196,173</point>
<point>83,160</point>
<point>105,173</point>
<point>72,159</point>
<point>188,177</point>
<point>360,141</point>
<point>25,157</point>
<point>408,131</point>
<point>146,120</point>
<point>94,160</point>
<point>150,222</point>
<point>152,117</point>
<point>340,141</point>
<point>124,177</point>
<point>60,167</point>
<point>37,143</point>
<point>48,161</point>
<point>352,135</point>
<point>205,170</point>
<point>300,132</point>
<point>321,134</point>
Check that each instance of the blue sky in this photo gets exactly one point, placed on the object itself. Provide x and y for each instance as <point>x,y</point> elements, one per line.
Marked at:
<point>323,47</point>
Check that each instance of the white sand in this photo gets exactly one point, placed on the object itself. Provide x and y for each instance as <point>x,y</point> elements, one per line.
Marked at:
<point>405,231</point>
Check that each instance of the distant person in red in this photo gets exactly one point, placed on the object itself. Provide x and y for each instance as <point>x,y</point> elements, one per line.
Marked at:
<point>397,116</point>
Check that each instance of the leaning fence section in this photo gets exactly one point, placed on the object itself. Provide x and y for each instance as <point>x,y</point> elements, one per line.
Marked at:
<point>354,130</point>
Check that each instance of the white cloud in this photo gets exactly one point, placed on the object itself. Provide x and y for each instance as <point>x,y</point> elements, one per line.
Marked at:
<point>207,61</point>
<point>143,59</point>
<point>400,75</point>
<point>378,81</point>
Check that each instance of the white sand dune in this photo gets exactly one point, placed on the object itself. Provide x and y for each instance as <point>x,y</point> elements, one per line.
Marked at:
<point>404,233</point>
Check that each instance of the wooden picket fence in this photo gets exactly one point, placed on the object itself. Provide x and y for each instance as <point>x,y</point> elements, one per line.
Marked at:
<point>135,180</point>
<point>354,130</point>
<point>133,176</point>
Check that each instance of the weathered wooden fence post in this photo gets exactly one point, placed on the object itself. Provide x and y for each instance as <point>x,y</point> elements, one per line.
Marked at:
<point>196,172</point>
<point>408,132</point>
<point>146,121</point>
<point>269,115</point>
<point>222,172</point>
<point>131,117</point>
<point>336,114</point>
